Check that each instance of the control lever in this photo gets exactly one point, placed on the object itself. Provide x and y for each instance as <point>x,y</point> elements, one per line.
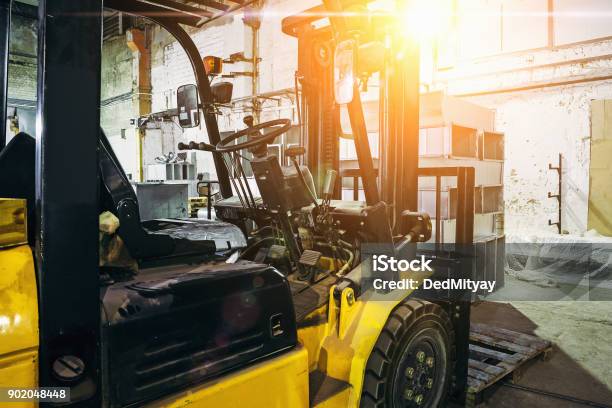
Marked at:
<point>197,146</point>
<point>293,152</point>
<point>329,185</point>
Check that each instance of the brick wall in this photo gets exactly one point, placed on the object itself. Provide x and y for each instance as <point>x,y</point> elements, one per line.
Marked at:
<point>542,100</point>
<point>22,60</point>
<point>116,102</point>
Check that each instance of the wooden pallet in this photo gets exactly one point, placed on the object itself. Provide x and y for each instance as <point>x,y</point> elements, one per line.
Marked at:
<point>497,353</point>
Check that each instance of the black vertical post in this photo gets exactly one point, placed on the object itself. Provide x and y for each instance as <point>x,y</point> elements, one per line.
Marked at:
<point>464,229</point>
<point>362,147</point>
<point>67,190</point>
<point>464,244</point>
<point>393,156</point>
<point>5,32</point>
<point>410,127</point>
<point>401,161</point>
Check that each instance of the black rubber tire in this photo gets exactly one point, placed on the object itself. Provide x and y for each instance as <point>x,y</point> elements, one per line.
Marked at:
<point>411,322</point>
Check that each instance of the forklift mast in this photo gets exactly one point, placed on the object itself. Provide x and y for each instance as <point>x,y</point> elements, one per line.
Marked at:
<point>397,184</point>
<point>398,172</point>
<point>319,113</point>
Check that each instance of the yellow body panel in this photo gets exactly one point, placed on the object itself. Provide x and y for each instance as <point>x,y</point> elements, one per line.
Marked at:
<point>18,319</point>
<point>18,301</point>
<point>280,382</point>
<point>312,335</point>
<point>19,370</point>
<point>341,346</point>
<point>348,348</point>
<point>13,222</point>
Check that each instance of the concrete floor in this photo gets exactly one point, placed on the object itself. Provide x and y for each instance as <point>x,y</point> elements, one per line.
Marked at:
<point>581,363</point>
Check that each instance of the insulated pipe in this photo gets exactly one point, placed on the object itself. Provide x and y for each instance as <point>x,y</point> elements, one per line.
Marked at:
<point>255,67</point>
<point>5,30</point>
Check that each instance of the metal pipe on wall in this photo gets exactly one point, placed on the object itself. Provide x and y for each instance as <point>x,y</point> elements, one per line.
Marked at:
<point>137,42</point>
<point>255,70</point>
<point>252,19</point>
<point>205,93</point>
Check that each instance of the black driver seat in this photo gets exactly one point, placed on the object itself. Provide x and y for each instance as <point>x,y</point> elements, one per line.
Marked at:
<point>118,197</point>
<point>17,180</point>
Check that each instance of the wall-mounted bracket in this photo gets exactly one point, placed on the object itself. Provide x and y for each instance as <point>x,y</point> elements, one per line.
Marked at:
<point>559,170</point>
<point>240,73</point>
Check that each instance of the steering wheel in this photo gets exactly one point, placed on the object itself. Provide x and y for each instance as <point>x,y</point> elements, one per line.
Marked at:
<point>224,147</point>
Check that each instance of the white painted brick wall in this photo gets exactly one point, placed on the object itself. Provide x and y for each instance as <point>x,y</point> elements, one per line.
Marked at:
<point>171,68</point>
<point>539,124</point>
<point>22,61</point>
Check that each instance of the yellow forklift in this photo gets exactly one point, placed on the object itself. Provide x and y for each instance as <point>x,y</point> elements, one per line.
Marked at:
<point>279,310</point>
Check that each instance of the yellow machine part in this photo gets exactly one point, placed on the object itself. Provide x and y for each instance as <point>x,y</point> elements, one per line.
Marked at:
<point>338,343</point>
<point>341,346</point>
<point>280,382</point>
<point>354,329</point>
<point>18,320</point>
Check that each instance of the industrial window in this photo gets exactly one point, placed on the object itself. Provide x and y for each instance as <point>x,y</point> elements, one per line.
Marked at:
<point>524,25</point>
<point>479,28</point>
<point>490,27</point>
<point>581,20</point>
<point>485,28</point>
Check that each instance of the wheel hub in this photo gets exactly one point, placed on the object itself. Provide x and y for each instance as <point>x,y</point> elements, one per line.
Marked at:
<point>419,374</point>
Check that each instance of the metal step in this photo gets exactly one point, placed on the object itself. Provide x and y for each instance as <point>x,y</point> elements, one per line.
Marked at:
<point>323,387</point>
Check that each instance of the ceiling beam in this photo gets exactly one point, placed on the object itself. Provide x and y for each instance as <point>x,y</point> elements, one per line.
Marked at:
<point>212,4</point>
<point>175,5</point>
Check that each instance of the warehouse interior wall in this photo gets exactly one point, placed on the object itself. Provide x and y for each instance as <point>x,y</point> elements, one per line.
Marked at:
<point>539,66</point>
<point>538,71</point>
<point>21,102</point>
<point>116,109</point>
